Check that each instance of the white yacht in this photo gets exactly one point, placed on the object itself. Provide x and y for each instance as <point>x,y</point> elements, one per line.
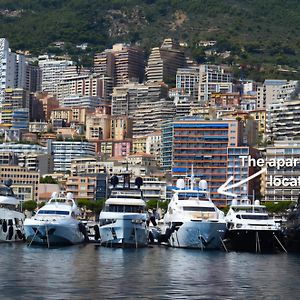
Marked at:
<point>56,223</point>
<point>11,220</point>
<point>250,228</point>
<point>123,221</point>
<point>192,219</point>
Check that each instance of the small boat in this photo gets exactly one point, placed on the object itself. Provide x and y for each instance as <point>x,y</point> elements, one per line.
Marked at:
<point>192,220</point>
<point>123,221</point>
<point>56,224</point>
<point>251,229</point>
<point>11,220</point>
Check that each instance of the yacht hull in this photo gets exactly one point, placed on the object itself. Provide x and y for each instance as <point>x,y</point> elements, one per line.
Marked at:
<point>203,235</point>
<point>53,234</point>
<point>253,240</point>
<point>129,231</point>
<point>11,225</point>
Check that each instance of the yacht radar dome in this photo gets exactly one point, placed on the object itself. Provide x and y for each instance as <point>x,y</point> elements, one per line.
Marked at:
<point>256,202</point>
<point>114,180</point>
<point>234,201</point>
<point>8,182</point>
<point>180,183</point>
<point>69,196</point>
<point>54,195</point>
<point>139,182</point>
<point>203,184</point>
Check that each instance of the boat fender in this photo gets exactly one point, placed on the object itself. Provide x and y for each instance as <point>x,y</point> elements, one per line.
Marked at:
<point>169,232</point>
<point>97,232</point>
<point>82,229</point>
<point>4,226</point>
<point>10,232</point>
<point>19,234</point>
<point>151,237</point>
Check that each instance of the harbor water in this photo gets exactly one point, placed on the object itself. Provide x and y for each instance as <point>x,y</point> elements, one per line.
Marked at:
<point>92,272</point>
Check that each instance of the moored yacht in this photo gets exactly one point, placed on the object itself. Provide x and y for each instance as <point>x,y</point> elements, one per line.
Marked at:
<point>123,221</point>
<point>250,228</point>
<point>56,223</point>
<point>11,220</point>
<point>192,219</point>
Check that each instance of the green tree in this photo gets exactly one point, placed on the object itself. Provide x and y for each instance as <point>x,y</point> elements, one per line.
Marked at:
<point>48,179</point>
<point>29,205</point>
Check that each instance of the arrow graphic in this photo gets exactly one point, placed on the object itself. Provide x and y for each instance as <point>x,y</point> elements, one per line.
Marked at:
<point>225,186</point>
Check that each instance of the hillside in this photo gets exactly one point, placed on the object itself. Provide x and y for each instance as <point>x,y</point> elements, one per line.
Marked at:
<point>256,32</point>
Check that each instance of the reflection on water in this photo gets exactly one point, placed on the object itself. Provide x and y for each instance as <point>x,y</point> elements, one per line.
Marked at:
<point>91,272</point>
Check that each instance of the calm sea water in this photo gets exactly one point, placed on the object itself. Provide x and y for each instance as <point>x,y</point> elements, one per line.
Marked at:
<point>91,272</point>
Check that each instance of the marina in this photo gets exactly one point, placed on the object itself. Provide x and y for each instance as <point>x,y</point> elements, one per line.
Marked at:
<point>92,272</point>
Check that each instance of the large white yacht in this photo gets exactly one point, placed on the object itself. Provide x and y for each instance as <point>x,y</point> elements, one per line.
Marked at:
<point>11,220</point>
<point>123,221</point>
<point>250,228</point>
<point>56,223</point>
<point>192,219</point>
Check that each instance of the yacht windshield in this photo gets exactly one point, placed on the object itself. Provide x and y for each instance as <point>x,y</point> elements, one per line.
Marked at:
<point>192,196</point>
<point>54,212</point>
<point>124,208</point>
<point>6,191</point>
<point>255,217</point>
<point>197,208</point>
<point>250,209</point>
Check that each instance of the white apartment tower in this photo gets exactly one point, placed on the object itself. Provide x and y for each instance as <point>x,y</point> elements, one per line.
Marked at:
<point>272,90</point>
<point>52,73</point>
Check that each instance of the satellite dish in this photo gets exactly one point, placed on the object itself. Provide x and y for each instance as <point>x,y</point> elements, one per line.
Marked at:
<point>138,182</point>
<point>69,196</point>
<point>203,184</point>
<point>180,183</point>
<point>54,195</point>
<point>8,182</point>
<point>234,202</point>
<point>256,202</point>
<point>114,180</point>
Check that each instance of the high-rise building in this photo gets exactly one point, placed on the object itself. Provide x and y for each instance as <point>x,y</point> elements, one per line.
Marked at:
<point>164,61</point>
<point>273,90</point>
<point>122,63</point>
<point>213,79</point>
<point>12,69</point>
<point>125,99</point>
<point>85,85</point>
<point>33,78</point>
<point>187,82</point>
<point>203,145</point>
<point>52,73</point>
<point>149,116</point>
<point>283,119</point>
<point>14,99</point>
<point>282,182</point>
<point>64,152</point>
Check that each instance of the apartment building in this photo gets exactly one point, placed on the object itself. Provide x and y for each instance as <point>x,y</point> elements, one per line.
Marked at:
<point>283,119</point>
<point>123,63</point>
<point>272,90</point>
<point>85,85</point>
<point>52,73</point>
<point>65,151</point>
<point>149,116</point>
<point>202,144</point>
<point>125,99</point>
<point>14,100</point>
<point>164,61</point>
<point>25,182</point>
<point>280,182</point>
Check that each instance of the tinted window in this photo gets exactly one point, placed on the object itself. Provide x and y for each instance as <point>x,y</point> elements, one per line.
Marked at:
<point>53,212</point>
<point>197,208</point>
